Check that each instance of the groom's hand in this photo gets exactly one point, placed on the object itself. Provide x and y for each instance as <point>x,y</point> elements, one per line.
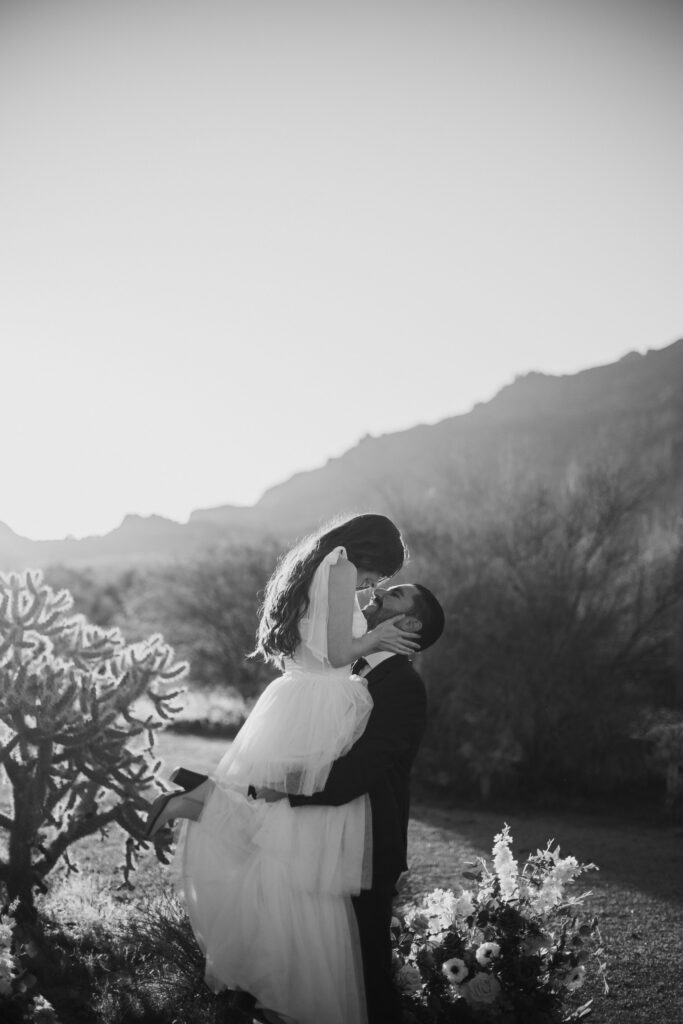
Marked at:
<point>269,795</point>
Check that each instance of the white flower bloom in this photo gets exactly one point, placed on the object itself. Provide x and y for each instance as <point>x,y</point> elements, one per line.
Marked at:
<point>504,864</point>
<point>455,970</point>
<point>566,869</point>
<point>551,892</point>
<point>43,1012</point>
<point>416,918</point>
<point>6,923</point>
<point>440,900</point>
<point>6,960</point>
<point>482,988</point>
<point>439,906</point>
<point>487,952</point>
<point>464,905</point>
<point>575,978</point>
<point>544,899</point>
<point>6,974</point>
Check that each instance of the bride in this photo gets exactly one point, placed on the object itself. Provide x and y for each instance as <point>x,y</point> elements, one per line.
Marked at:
<point>268,888</point>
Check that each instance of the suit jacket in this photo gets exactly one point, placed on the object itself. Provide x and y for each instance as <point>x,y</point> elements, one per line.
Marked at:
<point>379,763</point>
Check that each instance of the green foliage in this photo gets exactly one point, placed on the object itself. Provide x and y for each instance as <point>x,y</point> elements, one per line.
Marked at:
<point>76,752</point>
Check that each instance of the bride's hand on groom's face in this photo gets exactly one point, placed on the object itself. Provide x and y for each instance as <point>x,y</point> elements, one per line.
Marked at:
<point>393,637</point>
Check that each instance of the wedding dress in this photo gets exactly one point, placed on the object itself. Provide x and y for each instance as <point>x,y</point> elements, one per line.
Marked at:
<point>268,887</point>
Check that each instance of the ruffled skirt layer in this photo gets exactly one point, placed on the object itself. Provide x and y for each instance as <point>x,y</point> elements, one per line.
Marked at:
<point>302,722</point>
<point>268,890</point>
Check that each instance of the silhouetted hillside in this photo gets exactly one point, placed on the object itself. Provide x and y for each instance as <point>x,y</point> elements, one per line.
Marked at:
<point>629,412</point>
<point>626,412</point>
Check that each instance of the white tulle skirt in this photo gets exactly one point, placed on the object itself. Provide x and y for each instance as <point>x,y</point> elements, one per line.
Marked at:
<point>302,722</point>
<point>268,887</point>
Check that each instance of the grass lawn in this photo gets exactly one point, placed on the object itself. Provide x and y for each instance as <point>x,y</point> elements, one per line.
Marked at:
<point>637,894</point>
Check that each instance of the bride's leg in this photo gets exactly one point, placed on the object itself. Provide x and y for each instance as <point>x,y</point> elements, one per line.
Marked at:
<point>195,800</point>
<point>179,805</point>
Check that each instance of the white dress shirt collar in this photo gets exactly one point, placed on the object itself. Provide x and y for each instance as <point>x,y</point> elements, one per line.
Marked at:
<point>373,660</point>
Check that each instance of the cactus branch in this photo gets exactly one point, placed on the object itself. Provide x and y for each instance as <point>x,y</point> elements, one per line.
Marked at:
<point>68,692</point>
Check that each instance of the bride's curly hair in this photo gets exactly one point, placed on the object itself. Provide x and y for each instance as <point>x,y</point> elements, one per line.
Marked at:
<point>371,541</point>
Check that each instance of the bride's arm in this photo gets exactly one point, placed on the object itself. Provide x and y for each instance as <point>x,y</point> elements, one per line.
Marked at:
<point>342,647</point>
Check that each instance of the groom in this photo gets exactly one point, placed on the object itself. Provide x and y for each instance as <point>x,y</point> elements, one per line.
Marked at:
<point>379,764</point>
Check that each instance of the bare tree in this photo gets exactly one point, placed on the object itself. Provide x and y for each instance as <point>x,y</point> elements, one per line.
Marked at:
<point>560,622</point>
<point>209,610</point>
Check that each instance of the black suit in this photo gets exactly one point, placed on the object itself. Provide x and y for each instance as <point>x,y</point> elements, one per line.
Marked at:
<point>379,764</point>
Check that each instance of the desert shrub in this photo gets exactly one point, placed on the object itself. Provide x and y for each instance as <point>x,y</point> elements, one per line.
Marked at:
<point>560,626</point>
<point>117,958</point>
<point>208,610</point>
<point>210,712</point>
<point>127,961</point>
<point>101,594</point>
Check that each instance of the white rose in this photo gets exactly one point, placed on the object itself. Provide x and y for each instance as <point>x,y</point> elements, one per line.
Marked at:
<point>483,988</point>
<point>535,943</point>
<point>409,979</point>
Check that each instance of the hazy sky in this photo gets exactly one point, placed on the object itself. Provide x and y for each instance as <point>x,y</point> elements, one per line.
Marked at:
<point>238,235</point>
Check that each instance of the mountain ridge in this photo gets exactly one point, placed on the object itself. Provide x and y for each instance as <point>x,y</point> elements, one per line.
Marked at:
<point>631,409</point>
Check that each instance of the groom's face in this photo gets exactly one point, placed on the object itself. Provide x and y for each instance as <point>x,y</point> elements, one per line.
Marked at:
<point>385,603</point>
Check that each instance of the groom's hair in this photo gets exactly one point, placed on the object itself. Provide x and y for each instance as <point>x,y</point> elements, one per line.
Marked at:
<point>427,609</point>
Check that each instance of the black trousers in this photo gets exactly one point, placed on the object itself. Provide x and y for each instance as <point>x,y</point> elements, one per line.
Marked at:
<point>373,909</point>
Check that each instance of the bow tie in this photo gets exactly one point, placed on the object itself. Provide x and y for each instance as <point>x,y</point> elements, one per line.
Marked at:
<point>359,665</point>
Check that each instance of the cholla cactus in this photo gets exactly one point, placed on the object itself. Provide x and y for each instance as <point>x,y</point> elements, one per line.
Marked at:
<point>75,748</point>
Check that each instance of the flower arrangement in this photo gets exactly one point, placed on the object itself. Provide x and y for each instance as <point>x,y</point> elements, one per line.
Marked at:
<point>17,1001</point>
<point>512,948</point>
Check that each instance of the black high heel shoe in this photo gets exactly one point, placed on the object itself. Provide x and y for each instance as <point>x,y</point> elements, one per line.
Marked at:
<point>186,779</point>
<point>155,811</point>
